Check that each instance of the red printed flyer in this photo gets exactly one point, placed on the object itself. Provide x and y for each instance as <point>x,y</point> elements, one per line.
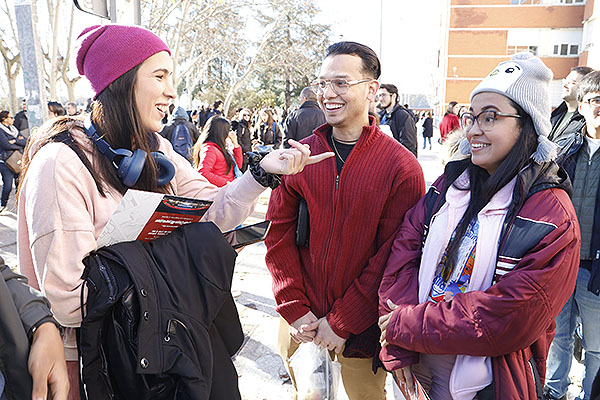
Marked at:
<point>145,216</point>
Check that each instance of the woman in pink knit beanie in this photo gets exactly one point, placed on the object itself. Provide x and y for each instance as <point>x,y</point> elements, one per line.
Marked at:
<point>71,183</point>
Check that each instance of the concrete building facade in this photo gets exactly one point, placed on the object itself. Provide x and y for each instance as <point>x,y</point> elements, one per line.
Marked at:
<point>481,33</point>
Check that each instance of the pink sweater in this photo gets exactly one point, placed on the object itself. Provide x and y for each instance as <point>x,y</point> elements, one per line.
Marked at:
<point>61,214</point>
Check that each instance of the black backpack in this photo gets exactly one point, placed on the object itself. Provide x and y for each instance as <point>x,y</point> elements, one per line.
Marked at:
<point>182,141</point>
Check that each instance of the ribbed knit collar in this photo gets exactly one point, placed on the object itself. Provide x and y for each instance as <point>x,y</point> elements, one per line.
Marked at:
<point>369,134</point>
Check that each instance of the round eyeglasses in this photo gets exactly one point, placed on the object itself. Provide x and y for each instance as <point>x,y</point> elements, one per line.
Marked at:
<point>338,85</point>
<point>594,101</point>
<point>485,119</point>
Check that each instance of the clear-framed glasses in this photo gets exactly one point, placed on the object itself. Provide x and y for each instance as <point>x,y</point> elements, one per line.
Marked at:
<point>485,119</point>
<point>381,95</point>
<point>338,85</point>
<point>566,81</point>
<point>594,101</point>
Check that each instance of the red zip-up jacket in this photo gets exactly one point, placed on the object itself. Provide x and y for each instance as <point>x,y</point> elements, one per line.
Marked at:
<point>213,165</point>
<point>353,218</point>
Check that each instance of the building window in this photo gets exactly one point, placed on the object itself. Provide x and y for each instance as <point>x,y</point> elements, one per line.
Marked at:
<point>572,1</point>
<point>565,49</point>
<point>510,50</point>
<point>573,49</point>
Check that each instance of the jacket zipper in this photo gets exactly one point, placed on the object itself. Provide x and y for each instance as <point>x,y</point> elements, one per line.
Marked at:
<point>331,232</point>
<point>108,277</point>
<point>172,330</point>
<point>585,179</point>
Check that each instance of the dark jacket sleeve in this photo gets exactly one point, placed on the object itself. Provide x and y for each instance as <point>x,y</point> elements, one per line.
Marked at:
<point>290,127</point>
<point>167,131</point>
<point>193,131</point>
<point>407,130</point>
<point>404,129</point>
<point>278,137</point>
<point>33,308</point>
<point>244,140</point>
<point>5,144</point>
<point>511,314</point>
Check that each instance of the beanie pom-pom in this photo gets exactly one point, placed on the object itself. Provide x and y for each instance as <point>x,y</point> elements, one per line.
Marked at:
<point>464,147</point>
<point>546,150</point>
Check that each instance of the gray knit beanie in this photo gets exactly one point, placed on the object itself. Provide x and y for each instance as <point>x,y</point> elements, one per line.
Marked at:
<point>525,80</point>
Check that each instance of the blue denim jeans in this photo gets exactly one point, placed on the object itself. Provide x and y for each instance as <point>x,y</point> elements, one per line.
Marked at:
<point>2,383</point>
<point>585,305</point>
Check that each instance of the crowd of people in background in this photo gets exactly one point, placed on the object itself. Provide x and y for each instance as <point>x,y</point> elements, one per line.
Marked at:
<point>266,128</point>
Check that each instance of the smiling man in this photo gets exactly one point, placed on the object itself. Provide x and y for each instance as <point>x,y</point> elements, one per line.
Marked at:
<point>326,286</point>
<point>566,120</point>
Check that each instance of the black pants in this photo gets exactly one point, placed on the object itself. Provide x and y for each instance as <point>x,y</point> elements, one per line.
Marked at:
<point>7,180</point>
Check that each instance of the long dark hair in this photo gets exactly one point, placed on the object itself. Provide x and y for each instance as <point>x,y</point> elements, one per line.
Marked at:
<point>3,115</point>
<point>484,186</point>
<point>115,115</point>
<point>450,108</point>
<point>270,119</point>
<point>216,131</point>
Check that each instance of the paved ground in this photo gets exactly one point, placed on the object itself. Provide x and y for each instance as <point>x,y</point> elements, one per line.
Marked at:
<point>261,372</point>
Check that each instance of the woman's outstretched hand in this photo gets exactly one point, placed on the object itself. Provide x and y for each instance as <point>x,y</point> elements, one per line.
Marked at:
<point>291,161</point>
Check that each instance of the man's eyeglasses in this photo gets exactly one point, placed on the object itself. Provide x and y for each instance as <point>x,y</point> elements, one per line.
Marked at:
<point>566,81</point>
<point>338,85</point>
<point>485,119</point>
<point>594,101</point>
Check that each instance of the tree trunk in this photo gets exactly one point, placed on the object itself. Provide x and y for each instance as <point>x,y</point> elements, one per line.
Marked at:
<point>190,89</point>
<point>288,94</point>
<point>69,83</point>
<point>180,36</point>
<point>54,59</point>
<point>236,85</point>
<point>70,88</point>
<point>12,92</point>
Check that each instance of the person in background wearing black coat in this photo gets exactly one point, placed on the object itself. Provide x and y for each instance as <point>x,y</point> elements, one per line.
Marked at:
<point>21,121</point>
<point>242,130</point>
<point>427,130</point>
<point>301,122</point>
<point>397,118</point>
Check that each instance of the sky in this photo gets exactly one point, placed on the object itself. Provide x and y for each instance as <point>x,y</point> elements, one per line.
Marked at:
<point>409,31</point>
<point>410,36</point>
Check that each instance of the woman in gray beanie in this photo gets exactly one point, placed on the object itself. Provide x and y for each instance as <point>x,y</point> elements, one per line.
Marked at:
<point>483,264</point>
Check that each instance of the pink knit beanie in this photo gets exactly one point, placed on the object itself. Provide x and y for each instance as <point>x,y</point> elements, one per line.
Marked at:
<point>105,52</point>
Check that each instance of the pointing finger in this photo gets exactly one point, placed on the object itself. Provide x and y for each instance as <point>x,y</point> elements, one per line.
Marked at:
<point>319,157</point>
